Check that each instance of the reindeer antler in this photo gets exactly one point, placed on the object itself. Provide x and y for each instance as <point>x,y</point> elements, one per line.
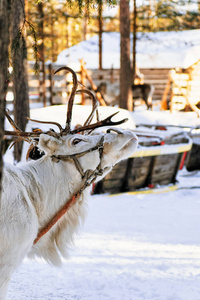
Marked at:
<point>47,122</point>
<point>12,123</point>
<point>95,104</point>
<point>106,122</point>
<point>87,126</point>
<point>71,99</point>
<point>17,131</point>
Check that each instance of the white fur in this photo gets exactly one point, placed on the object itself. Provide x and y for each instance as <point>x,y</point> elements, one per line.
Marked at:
<point>34,192</point>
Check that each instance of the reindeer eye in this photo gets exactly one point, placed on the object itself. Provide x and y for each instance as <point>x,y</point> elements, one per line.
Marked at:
<point>76,141</point>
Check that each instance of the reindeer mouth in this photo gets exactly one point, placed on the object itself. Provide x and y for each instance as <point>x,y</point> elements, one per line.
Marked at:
<point>132,142</point>
<point>133,138</point>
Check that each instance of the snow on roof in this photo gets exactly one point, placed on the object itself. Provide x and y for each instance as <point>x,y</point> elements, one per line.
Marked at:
<point>154,50</point>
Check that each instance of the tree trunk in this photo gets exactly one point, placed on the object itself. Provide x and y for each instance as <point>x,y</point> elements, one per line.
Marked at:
<point>134,40</point>
<point>41,49</point>
<point>125,69</point>
<point>100,33</point>
<point>20,76</point>
<point>4,61</point>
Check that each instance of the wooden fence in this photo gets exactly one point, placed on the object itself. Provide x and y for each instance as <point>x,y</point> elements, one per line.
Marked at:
<point>56,88</point>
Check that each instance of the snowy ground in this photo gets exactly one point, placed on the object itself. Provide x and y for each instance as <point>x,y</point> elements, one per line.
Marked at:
<point>132,247</point>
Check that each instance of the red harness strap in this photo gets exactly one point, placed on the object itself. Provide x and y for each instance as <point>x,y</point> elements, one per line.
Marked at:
<point>57,216</point>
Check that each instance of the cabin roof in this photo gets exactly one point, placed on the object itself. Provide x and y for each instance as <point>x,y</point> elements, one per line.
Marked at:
<point>154,50</point>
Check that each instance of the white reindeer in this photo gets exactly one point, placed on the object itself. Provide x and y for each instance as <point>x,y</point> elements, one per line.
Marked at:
<point>33,193</point>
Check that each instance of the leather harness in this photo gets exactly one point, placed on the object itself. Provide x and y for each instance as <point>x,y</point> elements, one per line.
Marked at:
<point>89,177</point>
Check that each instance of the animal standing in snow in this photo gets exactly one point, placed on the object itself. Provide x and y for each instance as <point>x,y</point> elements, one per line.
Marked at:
<point>36,193</point>
<point>110,93</point>
<point>143,91</point>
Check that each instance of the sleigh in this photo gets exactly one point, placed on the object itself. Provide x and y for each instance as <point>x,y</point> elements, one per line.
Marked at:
<point>156,162</point>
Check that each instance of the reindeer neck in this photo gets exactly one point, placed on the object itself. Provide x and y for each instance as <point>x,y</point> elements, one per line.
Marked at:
<point>55,183</point>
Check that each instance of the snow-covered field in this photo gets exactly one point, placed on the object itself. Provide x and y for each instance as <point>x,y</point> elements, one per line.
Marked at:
<point>132,247</point>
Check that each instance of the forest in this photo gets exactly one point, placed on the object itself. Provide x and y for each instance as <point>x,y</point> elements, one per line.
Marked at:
<point>39,30</point>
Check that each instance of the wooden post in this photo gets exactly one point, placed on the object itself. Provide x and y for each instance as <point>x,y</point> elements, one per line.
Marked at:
<point>100,33</point>
<point>148,180</point>
<point>84,25</point>
<point>41,50</point>
<point>125,180</point>
<point>19,76</point>
<point>164,105</point>
<point>51,84</point>
<point>43,84</point>
<point>4,58</point>
<point>111,75</point>
<point>98,95</point>
<point>67,33</point>
<point>134,40</point>
<point>178,162</point>
<point>126,100</point>
<point>94,87</point>
<point>82,81</point>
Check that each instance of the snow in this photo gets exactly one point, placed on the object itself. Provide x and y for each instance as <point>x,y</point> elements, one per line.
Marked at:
<point>176,118</point>
<point>142,246</point>
<point>132,247</point>
<point>154,50</point>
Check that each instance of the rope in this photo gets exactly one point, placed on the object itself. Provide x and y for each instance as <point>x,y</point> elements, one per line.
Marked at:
<point>57,216</point>
<point>89,176</point>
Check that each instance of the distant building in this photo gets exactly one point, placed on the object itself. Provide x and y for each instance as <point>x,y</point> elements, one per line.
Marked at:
<point>157,54</point>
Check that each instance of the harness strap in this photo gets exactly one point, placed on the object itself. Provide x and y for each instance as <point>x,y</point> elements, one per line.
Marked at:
<point>89,176</point>
<point>56,217</point>
<point>99,146</point>
<point>74,157</point>
<point>78,166</point>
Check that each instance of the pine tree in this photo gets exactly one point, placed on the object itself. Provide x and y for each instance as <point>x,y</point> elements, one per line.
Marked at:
<point>19,76</point>
<point>125,65</point>
<point>158,15</point>
<point>5,7</point>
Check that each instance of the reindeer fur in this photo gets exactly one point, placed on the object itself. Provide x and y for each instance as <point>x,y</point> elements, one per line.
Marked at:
<point>34,192</point>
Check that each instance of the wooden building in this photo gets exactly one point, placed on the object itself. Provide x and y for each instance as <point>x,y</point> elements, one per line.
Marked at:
<point>169,60</point>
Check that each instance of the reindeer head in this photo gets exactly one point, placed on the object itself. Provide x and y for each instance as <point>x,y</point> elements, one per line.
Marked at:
<point>97,151</point>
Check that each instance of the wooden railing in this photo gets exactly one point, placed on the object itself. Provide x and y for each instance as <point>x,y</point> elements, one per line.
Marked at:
<point>57,87</point>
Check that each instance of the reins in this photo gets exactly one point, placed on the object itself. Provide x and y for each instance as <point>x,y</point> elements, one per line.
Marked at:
<point>89,177</point>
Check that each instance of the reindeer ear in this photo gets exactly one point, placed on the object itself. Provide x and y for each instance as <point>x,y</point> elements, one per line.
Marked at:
<point>49,144</point>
